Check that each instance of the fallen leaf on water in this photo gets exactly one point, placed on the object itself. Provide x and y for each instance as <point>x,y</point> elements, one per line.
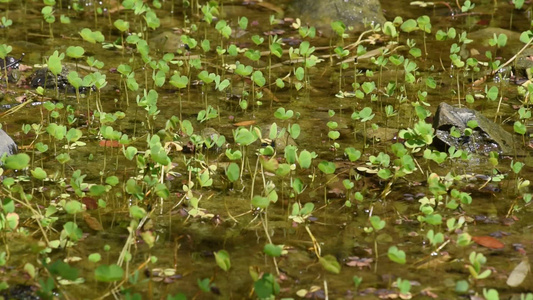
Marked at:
<point>90,203</point>
<point>406,296</point>
<point>245,123</point>
<point>386,294</point>
<point>72,259</point>
<point>92,222</point>
<point>174,145</point>
<point>301,293</point>
<point>20,99</point>
<point>269,95</point>
<point>367,170</point>
<point>276,32</point>
<point>519,273</point>
<point>23,67</point>
<point>361,263</point>
<point>488,241</point>
<point>428,293</point>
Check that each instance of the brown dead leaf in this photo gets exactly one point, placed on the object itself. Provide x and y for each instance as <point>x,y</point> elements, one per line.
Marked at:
<point>488,242</point>
<point>23,67</point>
<point>90,203</point>
<point>274,32</point>
<point>355,261</point>
<point>428,293</point>
<point>92,222</point>
<point>245,123</point>
<point>269,95</point>
<point>386,294</point>
<point>474,52</point>
<point>20,99</point>
<point>108,143</point>
<point>176,146</point>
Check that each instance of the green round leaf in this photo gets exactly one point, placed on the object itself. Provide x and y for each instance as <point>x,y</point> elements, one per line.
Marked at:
<point>109,273</point>
<point>17,162</point>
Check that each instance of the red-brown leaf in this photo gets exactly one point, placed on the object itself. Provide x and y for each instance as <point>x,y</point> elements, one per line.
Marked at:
<point>92,222</point>
<point>355,261</point>
<point>90,203</point>
<point>245,123</point>
<point>488,241</point>
<point>108,143</point>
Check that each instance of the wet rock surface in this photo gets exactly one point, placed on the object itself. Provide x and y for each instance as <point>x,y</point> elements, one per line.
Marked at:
<point>167,41</point>
<point>7,145</point>
<point>523,65</point>
<point>486,137</point>
<point>20,292</point>
<point>10,66</point>
<point>46,79</point>
<point>321,13</point>
<point>280,140</point>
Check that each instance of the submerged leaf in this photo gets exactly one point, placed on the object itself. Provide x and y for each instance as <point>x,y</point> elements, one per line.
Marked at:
<point>519,273</point>
<point>222,259</point>
<point>488,241</point>
<point>108,273</point>
<point>92,222</point>
<point>330,263</point>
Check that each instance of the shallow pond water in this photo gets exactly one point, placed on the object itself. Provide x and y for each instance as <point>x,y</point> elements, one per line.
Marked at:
<point>325,250</point>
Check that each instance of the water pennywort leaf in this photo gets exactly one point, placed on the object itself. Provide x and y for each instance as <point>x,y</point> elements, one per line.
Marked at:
<point>266,287</point>
<point>54,62</point>
<point>327,167</point>
<point>377,223</point>
<point>91,36</point>
<point>261,202</point>
<point>273,250</point>
<point>305,159</point>
<point>232,172</point>
<point>62,269</point>
<point>17,162</point>
<point>108,273</point>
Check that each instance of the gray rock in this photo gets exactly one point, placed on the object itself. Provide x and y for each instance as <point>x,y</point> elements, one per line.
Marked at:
<point>320,13</point>
<point>279,143</point>
<point>7,145</point>
<point>487,137</point>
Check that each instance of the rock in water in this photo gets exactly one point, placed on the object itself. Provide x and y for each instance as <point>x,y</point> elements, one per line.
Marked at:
<point>7,145</point>
<point>487,137</point>
<point>320,13</point>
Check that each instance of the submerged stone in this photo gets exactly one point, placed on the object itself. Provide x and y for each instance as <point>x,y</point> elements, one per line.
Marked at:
<point>10,66</point>
<point>282,139</point>
<point>486,137</point>
<point>167,41</point>
<point>320,13</point>
<point>46,79</point>
<point>7,145</point>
